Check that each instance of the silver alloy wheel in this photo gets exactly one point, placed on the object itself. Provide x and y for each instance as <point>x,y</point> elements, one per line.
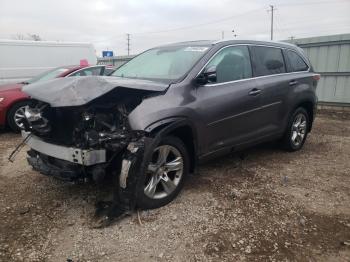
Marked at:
<point>164,172</point>
<point>19,115</point>
<point>298,129</point>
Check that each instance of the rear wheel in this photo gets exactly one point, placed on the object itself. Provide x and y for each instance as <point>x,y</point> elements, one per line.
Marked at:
<point>297,130</point>
<point>16,115</point>
<point>165,174</point>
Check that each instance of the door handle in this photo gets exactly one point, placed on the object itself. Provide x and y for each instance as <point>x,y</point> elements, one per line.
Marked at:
<point>293,82</point>
<point>254,92</point>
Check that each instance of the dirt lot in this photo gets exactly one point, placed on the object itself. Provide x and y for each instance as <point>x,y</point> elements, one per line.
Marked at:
<point>270,206</point>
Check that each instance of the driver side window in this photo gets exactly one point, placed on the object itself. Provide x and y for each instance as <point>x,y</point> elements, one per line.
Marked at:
<point>231,63</point>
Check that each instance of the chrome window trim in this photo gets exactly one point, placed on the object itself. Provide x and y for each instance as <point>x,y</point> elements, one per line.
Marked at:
<point>254,77</point>
<point>81,69</point>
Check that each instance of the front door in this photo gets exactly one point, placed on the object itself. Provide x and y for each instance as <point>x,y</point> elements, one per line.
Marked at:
<point>230,104</point>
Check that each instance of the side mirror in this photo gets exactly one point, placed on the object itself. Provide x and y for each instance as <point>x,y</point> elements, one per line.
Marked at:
<point>207,76</point>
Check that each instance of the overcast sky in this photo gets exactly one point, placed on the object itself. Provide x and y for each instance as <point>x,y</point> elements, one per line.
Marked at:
<point>105,23</point>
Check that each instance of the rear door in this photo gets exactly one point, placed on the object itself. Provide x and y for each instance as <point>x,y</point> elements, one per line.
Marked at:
<point>300,78</point>
<point>270,73</point>
<point>229,105</point>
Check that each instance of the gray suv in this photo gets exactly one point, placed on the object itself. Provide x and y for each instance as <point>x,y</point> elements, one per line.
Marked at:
<point>156,117</point>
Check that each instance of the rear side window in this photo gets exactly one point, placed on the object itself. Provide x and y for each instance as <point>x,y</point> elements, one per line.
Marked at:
<point>296,63</point>
<point>91,71</point>
<point>267,61</point>
<point>231,63</point>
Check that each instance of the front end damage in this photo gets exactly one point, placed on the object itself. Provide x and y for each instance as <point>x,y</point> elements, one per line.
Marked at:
<point>126,165</point>
<point>90,141</point>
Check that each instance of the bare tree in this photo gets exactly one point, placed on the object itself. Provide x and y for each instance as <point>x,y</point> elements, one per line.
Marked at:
<point>34,37</point>
<point>18,37</point>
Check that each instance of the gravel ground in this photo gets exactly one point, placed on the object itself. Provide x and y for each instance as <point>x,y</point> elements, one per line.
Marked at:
<point>263,205</point>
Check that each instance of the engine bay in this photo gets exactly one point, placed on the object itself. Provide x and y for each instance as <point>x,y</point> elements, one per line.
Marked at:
<point>103,123</point>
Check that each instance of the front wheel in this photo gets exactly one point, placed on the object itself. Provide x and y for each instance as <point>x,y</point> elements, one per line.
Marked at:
<point>297,130</point>
<point>15,115</point>
<point>165,174</point>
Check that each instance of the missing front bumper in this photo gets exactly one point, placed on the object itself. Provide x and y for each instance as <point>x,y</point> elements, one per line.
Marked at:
<point>69,164</point>
<point>65,171</point>
<point>85,157</point>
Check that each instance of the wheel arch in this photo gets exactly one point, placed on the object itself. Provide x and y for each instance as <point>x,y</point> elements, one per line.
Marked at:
<point>181,128</point>
<point>310,108</point>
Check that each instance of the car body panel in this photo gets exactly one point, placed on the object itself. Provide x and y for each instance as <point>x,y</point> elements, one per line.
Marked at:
<point>9,87</point>
<point>235,119</point>
<point>72,91</point>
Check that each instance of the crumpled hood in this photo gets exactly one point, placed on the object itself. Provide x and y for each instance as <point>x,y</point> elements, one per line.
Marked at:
<point>77,91</point>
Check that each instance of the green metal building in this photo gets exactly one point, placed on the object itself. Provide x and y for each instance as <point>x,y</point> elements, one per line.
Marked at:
<point>330,56</point>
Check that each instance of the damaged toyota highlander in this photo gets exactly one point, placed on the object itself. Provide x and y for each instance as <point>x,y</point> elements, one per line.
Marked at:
<point>165,111</point>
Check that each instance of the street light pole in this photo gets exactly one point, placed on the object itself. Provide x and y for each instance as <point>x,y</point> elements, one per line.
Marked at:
<point>272,8</point>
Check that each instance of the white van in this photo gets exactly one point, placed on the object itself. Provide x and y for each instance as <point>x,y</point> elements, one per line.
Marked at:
<point>21,60</point>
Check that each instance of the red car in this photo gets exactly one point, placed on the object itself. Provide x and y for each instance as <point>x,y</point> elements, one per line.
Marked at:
<point>13,101</point>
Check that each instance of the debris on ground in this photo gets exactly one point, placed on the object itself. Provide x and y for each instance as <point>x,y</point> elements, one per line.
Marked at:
<point>262,205</point>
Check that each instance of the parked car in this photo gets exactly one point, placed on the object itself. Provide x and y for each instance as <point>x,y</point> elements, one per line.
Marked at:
<point>168,109</point>
<point>13,101</point>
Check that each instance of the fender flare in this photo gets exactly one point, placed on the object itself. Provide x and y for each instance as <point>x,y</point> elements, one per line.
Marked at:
<point>164,122</point>
<point>314,108</point>
<point>164,127</point>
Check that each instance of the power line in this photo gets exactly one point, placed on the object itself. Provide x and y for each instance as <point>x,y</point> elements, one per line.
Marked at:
<point>186,27</point>
<point>314,3</point>
<point>202,24</point>
<point>278,23</point>
<point>225,19</point>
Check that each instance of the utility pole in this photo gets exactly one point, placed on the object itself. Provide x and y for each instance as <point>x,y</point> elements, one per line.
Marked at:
<point>128,43</point>
<point>292,38</point>
<point>222,34</point>
<point>272,8</point>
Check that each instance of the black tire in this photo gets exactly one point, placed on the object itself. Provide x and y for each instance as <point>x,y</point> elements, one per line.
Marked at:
<point>145,202</point>
<point>287,141</point>
<point>11,115</point>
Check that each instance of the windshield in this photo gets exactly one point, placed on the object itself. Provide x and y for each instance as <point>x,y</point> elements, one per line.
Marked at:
<point>51,74</point>
<point>165,63</point>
